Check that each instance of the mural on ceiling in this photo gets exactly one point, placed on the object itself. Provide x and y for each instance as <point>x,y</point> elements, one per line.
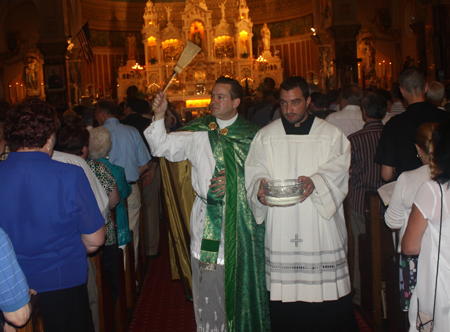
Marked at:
<point>287,28</point>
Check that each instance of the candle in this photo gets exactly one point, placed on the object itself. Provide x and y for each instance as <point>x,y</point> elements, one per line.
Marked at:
<point>42,90</point>
<point>21,92</point>
<point>390,69</point>
<point>220,63</point>
<point>232,67</point>
<point>384,68</point>
<point>167,70</point>
<point>10,93</point>
<point>17,92</point>
<point>359,71</point>
<point>379,69</point>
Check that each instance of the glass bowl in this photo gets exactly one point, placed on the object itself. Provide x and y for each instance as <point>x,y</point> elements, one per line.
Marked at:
<point>283,192</point>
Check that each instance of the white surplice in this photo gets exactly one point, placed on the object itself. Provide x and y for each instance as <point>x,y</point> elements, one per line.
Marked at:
<point>195,147</point>
<point>305,244</point>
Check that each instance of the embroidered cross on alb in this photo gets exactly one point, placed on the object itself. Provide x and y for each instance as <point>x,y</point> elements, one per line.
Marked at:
<point>296,240</point>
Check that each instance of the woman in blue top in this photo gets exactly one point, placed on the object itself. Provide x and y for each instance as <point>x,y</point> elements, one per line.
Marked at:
<point>51,216</point>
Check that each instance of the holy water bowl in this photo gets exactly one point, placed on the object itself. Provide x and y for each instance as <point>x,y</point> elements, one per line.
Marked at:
<point>283,192</point>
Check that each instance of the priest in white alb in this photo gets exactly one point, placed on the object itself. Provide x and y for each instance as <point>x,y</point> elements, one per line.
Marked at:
<point>307,274</point>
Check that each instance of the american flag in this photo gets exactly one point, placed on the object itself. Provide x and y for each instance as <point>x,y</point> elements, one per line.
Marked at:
<point>85,40</point>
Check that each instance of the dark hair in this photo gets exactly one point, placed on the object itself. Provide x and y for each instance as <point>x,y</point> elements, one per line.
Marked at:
<point>374,105</point>
<point>72,139</point>
<point>108,106</point>
<point>395,91</point>
<point>144,107</point>
<point>88,116</point>
<point>352,94</point>
<point>440,160</point>
<point>318,99</point>
<point>332,96</point>
<point>134,103</point>
<point>412,80</point>
<point>424,137</point>
<point>385,94</point>
<point>30,124</point>
<point>296,82</point>
<point>236,90</point>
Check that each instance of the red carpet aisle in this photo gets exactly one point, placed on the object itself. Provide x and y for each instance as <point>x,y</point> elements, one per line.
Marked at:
<point>162,306</point>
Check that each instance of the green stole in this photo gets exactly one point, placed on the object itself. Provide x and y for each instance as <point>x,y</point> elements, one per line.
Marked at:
<point>246,303</point>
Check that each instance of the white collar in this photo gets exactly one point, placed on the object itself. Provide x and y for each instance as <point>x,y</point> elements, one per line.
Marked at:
<point>225,123</point>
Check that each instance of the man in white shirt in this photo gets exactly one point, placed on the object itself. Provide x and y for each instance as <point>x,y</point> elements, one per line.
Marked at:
<point>305,243</point>
<point>349,118</point>
<point>227,255</point>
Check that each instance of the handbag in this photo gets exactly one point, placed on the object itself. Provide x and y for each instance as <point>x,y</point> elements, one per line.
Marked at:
<point>425,323</point>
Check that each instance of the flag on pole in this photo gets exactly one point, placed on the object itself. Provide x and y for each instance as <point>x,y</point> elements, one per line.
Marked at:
<point>85,41</point>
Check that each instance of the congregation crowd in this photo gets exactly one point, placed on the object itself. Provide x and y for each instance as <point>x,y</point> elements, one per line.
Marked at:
<point>255,266</point>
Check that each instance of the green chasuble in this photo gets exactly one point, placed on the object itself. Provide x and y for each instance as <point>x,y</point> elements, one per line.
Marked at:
<point>246,300</point>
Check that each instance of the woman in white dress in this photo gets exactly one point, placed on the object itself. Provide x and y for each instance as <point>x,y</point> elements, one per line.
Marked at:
<point>429,236</point>
<point>396,216</point>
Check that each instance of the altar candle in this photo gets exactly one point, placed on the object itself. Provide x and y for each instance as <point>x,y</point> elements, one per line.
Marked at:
<point>359,71</point>
<point>220,63</point>
<point>10,93</point>
<point>379,69</point>
<point>22,94</point>
<point>390,69</point>
<point>384,68</point>
<point>167,70</point>
<point>231,67</point>
<point>42,90</point>
<point>17,91</point>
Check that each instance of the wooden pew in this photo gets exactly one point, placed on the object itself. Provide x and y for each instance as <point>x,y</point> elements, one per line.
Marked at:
<point>374,247</point>
<point>130,275</point>
<point>105,307</point>
<point>142,258</point>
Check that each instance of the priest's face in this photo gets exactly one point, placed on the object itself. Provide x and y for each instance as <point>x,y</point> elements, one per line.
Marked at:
<point>222,106</point>
<point>294,106</point>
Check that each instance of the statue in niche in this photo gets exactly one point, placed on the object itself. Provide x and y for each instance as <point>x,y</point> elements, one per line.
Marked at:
<point>31,75</point>
<point>369,59</point>
<point>131,46</point>
<point>265,36</point>
<point>197,37</point>
<point>168,12</point>
<point>222,8</point>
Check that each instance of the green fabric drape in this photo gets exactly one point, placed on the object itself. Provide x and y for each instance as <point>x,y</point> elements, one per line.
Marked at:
<point>246,302</point>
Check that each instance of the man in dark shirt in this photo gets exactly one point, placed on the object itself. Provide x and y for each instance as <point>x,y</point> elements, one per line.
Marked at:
<point>364,173</point>
<point>396,151</point>
<point>151,180</point>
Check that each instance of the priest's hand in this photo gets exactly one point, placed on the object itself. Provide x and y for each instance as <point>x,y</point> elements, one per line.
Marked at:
<point>218,183</point>
<point>159,105</point>
<point>261,196</point>
<point>308,186</point>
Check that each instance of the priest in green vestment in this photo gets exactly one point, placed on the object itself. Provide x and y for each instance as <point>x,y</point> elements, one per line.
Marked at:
<point>227,245</point>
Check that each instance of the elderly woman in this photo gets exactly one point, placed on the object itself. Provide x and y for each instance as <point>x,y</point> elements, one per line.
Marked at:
<point>428,235</point>
<point>99,146</point>
<point>397,214</point>
<point>51,216</point>
<point>74,139</point>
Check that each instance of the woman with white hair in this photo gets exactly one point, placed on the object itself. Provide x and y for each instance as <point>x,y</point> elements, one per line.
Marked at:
<point>99,146</point>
